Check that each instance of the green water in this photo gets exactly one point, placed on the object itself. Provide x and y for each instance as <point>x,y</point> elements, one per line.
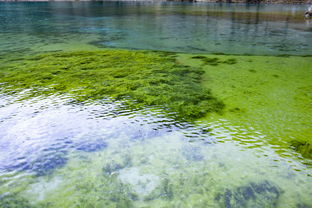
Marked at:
<point>87,120</point>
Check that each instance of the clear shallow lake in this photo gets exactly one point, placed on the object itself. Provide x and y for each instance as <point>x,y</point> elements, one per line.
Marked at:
<point>200,28</point>
<point>85,123</point>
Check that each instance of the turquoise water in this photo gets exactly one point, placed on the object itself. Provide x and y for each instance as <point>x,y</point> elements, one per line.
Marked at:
<point>58,152</point>
<point>200,28</point>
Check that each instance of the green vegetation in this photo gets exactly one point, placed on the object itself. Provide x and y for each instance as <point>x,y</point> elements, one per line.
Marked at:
<point>264,194</point>
<point>304,148</point>
<point>14,201</point>
<point>271,94</point>
<point>145,78</point>
<point>215,61</point>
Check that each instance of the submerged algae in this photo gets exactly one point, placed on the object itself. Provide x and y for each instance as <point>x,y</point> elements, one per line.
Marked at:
<point>146,78</point>
<point>14,201</point>
<point>215,61</point>
<point>263,194</point>
<point>267,94</point>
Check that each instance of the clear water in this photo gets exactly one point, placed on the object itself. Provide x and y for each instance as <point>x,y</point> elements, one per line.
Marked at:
<point>56,153</point>
<point>201,28</point>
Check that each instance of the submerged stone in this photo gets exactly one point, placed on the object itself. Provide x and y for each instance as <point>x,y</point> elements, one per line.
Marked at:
<point>256,195</point>
<point>41,162</point>
<point>47,163</point>
<point>91,146</point>
<point>146,133</point>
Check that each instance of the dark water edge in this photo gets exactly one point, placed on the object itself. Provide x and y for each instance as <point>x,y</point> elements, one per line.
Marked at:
<point>201,1</point>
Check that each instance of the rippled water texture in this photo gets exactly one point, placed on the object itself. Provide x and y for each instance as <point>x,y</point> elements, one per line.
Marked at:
<point>88,121</point>
<point>213,28</point>
<point>58,154</point>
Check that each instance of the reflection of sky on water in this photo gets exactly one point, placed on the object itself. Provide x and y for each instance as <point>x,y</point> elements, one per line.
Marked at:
<point>50,136</point>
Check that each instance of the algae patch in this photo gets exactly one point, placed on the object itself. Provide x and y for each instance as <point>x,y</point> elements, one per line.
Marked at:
<point>215,61</point>
<point>262,194</point>
<point>145,78</point>
<point>11,200</point>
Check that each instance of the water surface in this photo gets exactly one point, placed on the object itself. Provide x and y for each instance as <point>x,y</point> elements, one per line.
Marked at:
<point>212,28</point>
<point>68,140</point>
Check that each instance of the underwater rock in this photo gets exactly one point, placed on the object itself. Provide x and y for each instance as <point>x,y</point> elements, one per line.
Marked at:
<point>256,195</point>
<point>91,146</point>
<point>47,163</point>
<point>40,161</point>
<point>141,133</point>
<point>192,153</point>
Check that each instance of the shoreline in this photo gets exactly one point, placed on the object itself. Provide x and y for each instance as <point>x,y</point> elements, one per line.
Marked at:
<point>287,2</point>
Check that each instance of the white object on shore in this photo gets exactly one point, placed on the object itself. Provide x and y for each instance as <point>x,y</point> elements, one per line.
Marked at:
<point>308,13</point>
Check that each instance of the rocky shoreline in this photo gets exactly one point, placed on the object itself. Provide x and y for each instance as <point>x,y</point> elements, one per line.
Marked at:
<point>209,1</point>
<point>260,1</point>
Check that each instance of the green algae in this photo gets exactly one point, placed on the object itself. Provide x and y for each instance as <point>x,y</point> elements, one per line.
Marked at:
<point>14,201</point>
<point>146,78</point>
<point>215,61</point>
<point>269,94</point>
<point>304,148</point>
<point>263,194</point>
<point>96,191</point>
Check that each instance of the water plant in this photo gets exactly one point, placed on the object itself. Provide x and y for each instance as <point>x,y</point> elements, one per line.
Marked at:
<point>263,194</point>
<point>145,78</point>
<point>303,147</point>
<point>14,201</point>
<point>215,61</point>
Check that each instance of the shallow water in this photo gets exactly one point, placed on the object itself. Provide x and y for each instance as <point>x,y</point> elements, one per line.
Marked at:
<point>65,149</point>
<point>212,28</point>
<point>72,155</point>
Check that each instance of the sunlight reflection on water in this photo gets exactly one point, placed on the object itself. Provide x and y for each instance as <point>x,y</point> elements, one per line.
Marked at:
<point>50,136</point>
